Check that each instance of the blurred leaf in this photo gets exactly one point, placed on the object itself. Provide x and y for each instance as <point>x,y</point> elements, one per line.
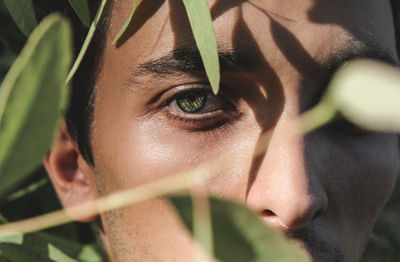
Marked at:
<point>28,189</point>
<point>14,239</point>
<point>203,32</point>
<point>2,258</point>
<point>367,92</point>
<point>239,234</point>
<point>2,219</point>
<point>90,253</point>
<point>81,9</point>
<point>36,247</point>
<point>127,22</point>
<point>32,98</point>
<point>57,255</point>
<point>23,13</point>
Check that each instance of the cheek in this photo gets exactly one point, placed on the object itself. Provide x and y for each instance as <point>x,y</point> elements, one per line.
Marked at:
<point>145,151</point>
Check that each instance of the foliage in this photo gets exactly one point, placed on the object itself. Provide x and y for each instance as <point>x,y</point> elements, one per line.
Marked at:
<point>31,103</point>
<point>127,22</point>
<point>203,32</point>
<point>23,14</point>
<point>367,110</point>
<point>255,243</point>
<point>33,96</point>
<point>81,8</point>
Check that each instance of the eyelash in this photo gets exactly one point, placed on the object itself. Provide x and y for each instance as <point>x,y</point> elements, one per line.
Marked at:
<point>208,121</point>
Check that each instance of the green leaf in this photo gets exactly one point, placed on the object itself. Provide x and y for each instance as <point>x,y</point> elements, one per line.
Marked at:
<point>57,255</point>
<point>90,253</point>
<point>239,234</point>
<point>41,247</point>
<point>23,13</point>
<point>88,40</point>
<point>367,93</point>
<point>14,239</point>
<point>28,189</point>
<point>32,98</point>
<point>127,22</point>
<point>203,32</point>
<point>81,9</point>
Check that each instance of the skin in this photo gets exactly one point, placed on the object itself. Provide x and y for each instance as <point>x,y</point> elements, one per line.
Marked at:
<point>323,190</point>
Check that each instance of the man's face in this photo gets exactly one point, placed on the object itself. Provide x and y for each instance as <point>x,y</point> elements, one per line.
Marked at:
<point>155,116</point>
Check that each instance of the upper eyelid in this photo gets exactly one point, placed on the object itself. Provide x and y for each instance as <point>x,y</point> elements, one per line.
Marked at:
<point>184,90</point>
<point>161,98</point>
<point>223,101</point>
<point>226,93</point>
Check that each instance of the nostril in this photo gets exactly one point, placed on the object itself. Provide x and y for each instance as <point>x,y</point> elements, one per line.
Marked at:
<point>268,213</point>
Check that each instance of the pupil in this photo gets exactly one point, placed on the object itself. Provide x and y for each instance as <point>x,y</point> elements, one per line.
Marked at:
<point>191,102</point>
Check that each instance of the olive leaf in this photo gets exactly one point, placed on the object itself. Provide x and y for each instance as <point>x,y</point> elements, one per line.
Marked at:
<point>81,9</point>
<point>203,32</point>
<point>90,253</point>
<point>23,13</point>
<point>15,239</point>
<point>239,235</point>
<point>367,93</point>
<point>127,22</point>
<point>57,255</point>
<point>32,98</point>
<point>88,40</point>
<point>41,247</point>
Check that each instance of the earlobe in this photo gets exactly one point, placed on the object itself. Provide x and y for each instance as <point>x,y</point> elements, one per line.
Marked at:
<point>72,177</point>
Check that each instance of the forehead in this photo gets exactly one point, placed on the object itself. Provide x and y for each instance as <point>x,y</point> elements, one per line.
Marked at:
<point>292,36</point>
<point>316,27</point>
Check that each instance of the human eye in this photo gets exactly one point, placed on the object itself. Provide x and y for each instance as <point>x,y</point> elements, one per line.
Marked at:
<point>194,107</point>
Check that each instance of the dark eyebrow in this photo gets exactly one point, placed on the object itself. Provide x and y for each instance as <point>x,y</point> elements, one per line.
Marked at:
<point>187,59</point>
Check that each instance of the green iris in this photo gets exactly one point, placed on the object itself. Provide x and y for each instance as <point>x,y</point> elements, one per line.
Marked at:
<point>192,102</point>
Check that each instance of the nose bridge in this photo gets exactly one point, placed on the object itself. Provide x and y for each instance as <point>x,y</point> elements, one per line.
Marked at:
<point>283,190</point>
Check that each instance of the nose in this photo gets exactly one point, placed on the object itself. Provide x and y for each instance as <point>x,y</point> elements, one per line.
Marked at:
<point>284,190</point>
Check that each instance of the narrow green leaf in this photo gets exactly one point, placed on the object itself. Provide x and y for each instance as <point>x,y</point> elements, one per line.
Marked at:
<point>203,32</point>
<point>81,9</point>
<point>23,13</point>
<point>239,234</point>
<point>57,255</point>
<point>41,247</point>
<point>14,239</point>
<point>28,189</point>
<point>90,253</point>
<point>127,22</point>
<point>202,225</point>
<point>31,99</point>
<point>367,92</point>
<point>87,41</point>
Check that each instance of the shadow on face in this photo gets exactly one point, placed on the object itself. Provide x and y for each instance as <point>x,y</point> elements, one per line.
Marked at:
<point>324,190</point>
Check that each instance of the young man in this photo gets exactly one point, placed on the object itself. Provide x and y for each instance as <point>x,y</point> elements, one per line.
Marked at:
<point>151,114</point>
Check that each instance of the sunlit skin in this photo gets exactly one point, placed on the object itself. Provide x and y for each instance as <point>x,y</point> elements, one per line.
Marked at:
<point>323,190</point>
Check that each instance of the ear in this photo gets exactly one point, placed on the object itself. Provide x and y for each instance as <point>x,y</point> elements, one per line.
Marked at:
<point>72,177</point>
